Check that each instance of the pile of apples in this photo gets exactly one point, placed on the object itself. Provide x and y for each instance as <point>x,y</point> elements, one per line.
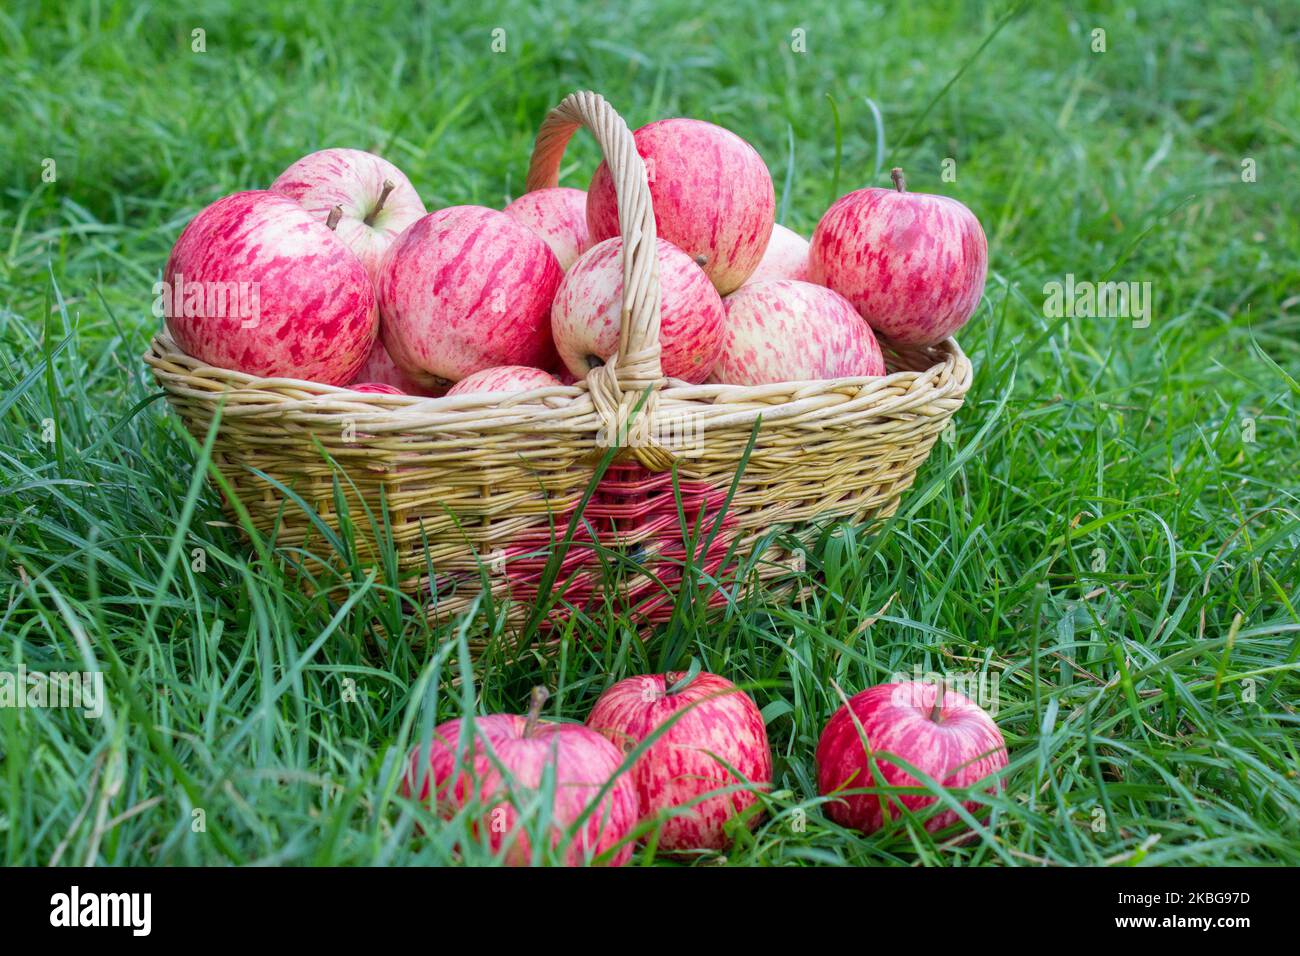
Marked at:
<point>703,759</point>
<point>358,285</point>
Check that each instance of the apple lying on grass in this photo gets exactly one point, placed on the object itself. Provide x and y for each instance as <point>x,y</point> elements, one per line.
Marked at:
<point>504,380</point>
<point>949,738</point>
<point>715,726</point>
<point>258,285</point>
<point>786,257</point>
<point>559,217</point>
<point>464,289</point>
<point>368,199</point>
<point>508,762</point>
<point>912,264</point>
<point>782,330</point>
<point>712,196</point>
<point>586,314</point>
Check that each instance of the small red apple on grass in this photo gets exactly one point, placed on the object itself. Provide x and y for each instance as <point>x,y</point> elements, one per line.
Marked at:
<point>373,198</point>
<point>786,257</point>
<point>912,264</point>
<point>509,755</point>
<point>712,195</point>
<point>586,314</point>
<point>717,726</point>
<point>259,286</point>
<point>950,738</point>
<point>559,217</point>
<point>783,330</point>
<point>464,289</point>
<point>503,380</point>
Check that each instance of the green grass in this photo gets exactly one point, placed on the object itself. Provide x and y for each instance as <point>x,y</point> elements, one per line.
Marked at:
<point>1113,531</point>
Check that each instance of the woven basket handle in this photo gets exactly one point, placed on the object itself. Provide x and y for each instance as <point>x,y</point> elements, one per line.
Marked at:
<point>617,388</point>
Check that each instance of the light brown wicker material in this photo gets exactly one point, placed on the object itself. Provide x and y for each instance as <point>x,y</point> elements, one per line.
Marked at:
<point>483,479</point>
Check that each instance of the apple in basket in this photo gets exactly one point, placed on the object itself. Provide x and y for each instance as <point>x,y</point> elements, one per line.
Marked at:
<point>712,196</point>
<point>786,257</point>
<point>559,217</point>
<point>256,284</point>
<point>912,264</point>
<point>715,726</point>
<point>586,314</point>
<point>783,330</point>
<point>504,766</point>
<point>464,289</point>
<point>503,380</point>
<point>365,199</point>
<point>950,738</point>
<point>375,388</point>
<point>380,368</point>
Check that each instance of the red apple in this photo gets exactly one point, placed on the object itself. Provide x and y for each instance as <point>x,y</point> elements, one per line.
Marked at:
<point>464,289</point>
<point>585,316</point>
<point>956,744</point>
<point>376,388</point>
<point>558,216</point>
<point>712,197</point>
<point>786,257</point>
<point>374,199</point>
<point>717,726</point>
<point>581,763</point>
<point>505,380</point>
<point>912,264</point>
<point>782,330</point>
<point>255,284</point>
<point>379,367</point>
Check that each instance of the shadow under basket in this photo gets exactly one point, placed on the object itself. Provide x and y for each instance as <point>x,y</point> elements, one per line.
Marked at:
<point>482,489</point>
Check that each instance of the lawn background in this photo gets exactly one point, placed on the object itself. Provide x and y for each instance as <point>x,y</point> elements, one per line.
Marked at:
<point>1112,532</point>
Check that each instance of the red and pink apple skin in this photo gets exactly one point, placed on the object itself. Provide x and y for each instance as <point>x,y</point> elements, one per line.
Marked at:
<point>786,257</point>
<point>719,726</point>
<point>464,289</point>
<point>558,216</point>
<point>783,330</point>
<point>380,368</point>
<point>585,316</point>
<point>912,264</point>
<point>372,215</point>
<point>959,747</point>
<point>375,388</point>
<point>583,763</point>
<point>316,315</point>
<point>503,380</point>
<point>712,195</point>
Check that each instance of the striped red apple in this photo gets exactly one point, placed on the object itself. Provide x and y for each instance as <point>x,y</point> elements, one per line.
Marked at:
<point>717,727</point>
<point>373,198</point>
<point>380,368</point>
<point>258,285</point>
<point>783,330</point>
<point>503,380</point>
<point>712,195</point>
<point>586,315</point>
<point>786,257</point>
<point>950,738</point>
<point>912,264</point>
<point>505,764</point>
<point>464,289</point>
<point>559,217</point>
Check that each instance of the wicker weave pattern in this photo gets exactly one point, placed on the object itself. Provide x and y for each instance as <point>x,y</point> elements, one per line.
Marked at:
<point>484,479</point>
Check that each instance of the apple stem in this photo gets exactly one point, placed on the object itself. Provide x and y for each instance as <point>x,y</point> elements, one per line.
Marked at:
<point>538,698</point>
<point>333,219</point>
<point>594,361</point>
<point>896,174</point>
<point>701,261</point>
<point>383,196</point>
<point>936,712</point>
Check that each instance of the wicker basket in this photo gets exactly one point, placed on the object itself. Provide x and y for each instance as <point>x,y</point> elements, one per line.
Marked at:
<point>481,490</point>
